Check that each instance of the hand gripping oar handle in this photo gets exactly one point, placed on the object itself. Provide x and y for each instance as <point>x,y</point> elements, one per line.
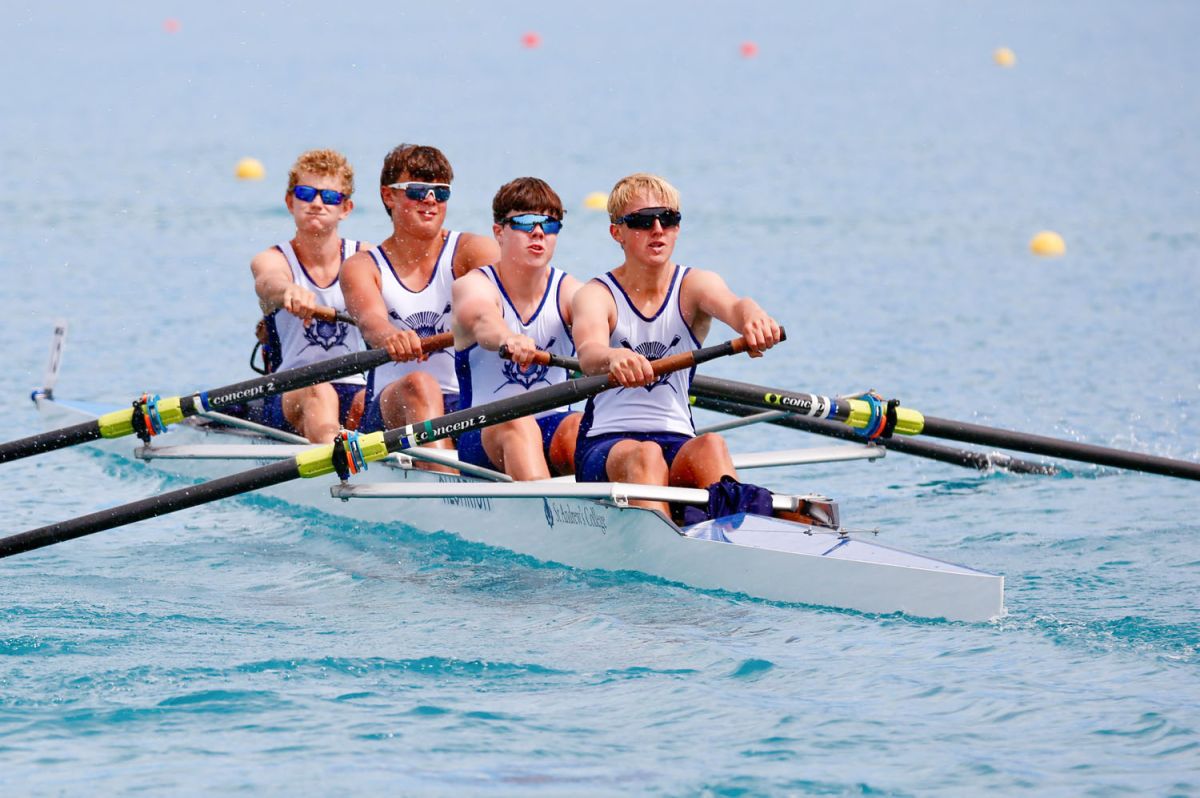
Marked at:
<point>661,366</point>
<point>318,460</point>
<point>329,314</point>
<point>119,423</point>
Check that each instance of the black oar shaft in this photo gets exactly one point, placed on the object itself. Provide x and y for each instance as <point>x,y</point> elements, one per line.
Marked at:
<point>191,496</point>
<point>981,461</point>
<point>1052,447</point>
<point>319,460</point>
<point>217,398</point>
<point>49,441</point>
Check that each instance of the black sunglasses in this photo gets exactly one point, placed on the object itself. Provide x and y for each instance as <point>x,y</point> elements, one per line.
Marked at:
<point>645,218</point>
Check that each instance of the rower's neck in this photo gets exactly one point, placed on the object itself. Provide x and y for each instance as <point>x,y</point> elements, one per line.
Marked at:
<point>320,250</point>
<point>645,283</point>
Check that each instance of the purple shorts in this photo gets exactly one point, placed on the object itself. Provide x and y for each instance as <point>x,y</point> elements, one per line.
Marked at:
<point>591,454</point>
<point>470,443</point>
<point>272,413</point>
<point>372,418</point>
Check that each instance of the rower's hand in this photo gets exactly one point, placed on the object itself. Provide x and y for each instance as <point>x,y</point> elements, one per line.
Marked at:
<point>402,346</point>
<point>300,302</point>
<point>761,332</point>
<point>520,349</point>
<point>629,369</point>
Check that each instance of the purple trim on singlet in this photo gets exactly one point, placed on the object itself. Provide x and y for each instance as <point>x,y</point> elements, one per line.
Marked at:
<point>470,443</point>
<point>517,313</point>
<point>679,309</point>
<point>436,264</point>
<point>591,454</point>
<point>462,370</point>
<point>303,268</point>
<point>558,307</point>
<point>633,307</point>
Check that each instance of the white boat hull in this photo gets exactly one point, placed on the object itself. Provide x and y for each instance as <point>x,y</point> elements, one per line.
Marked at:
<point>764,557</point>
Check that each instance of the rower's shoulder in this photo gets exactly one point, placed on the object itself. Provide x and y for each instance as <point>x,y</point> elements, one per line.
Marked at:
<point>474,251</point>
<point>270,258</point>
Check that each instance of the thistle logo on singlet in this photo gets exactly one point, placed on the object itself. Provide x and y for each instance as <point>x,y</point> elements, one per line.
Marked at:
<point>527,379</point>
<point>325,334</point>
<point>425,324</point>
<point>653,350</point>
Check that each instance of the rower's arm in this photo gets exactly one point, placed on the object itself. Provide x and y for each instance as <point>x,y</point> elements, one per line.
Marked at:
<point>273,282</point>
<point>705,295</point>
<point>594,317</point>
<point>477,315</point>
<point>363,292</point>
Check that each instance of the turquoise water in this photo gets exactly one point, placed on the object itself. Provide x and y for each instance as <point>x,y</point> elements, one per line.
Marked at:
<point>871,176</point>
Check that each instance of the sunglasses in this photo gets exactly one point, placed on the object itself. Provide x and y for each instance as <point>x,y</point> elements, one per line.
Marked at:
<point>328,195</point>
<point>645,218</point>
<point>419,191</point>
<point>527,221</point>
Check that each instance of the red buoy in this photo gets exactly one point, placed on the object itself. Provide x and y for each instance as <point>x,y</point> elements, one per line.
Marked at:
<point>749,49</point>
<point>531,40</point>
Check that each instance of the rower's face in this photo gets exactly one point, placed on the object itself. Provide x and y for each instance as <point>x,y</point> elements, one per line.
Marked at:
<point>654,246</point>
<point>532,249</point>
<point>315,216</point>
<point>421,217</point>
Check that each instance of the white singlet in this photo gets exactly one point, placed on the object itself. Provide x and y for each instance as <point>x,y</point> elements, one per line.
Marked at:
<point>426,312</point>
<point>320,340</point>
<point>483,376</point>
<point>663,405</point>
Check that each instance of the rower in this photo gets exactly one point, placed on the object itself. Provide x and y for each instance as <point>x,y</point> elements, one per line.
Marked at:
<point>644,309</point>
<point>293,280</point>
<point>523,304</point>
<point>399,291</point>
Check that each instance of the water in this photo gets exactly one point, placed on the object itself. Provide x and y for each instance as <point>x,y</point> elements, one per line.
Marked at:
<point>871,176</point>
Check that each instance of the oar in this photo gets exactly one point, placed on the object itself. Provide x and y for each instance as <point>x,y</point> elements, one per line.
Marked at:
<point>859,413</point>
<point>981,461</point>
<point>319,460</point>
<point>978,460</point>
<point>329,314</point>
<point>120,423</point>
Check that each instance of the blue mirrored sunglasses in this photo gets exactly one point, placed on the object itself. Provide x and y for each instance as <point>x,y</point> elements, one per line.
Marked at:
<point>419,191</point>
<point>527,221</point>
<point>644,219</point>
<point>328,195</point>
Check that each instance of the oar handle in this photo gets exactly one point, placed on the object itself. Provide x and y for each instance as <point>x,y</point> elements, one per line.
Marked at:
<point>329,314</point>
<point>664,365</point>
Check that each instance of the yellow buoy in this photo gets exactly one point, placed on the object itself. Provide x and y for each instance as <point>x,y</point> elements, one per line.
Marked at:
<point>1004,57</point>
<point>249,169</point>
<point>1048,244</point>
<point>596,201</point>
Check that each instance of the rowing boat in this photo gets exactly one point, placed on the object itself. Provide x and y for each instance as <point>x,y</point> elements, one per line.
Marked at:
<point>593,526</point>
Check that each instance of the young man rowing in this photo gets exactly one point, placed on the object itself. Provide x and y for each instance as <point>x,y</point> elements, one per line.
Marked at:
<point>399,292</point>
<point>296,277</point>
<point>524,304</point>
<point>647,308</point>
